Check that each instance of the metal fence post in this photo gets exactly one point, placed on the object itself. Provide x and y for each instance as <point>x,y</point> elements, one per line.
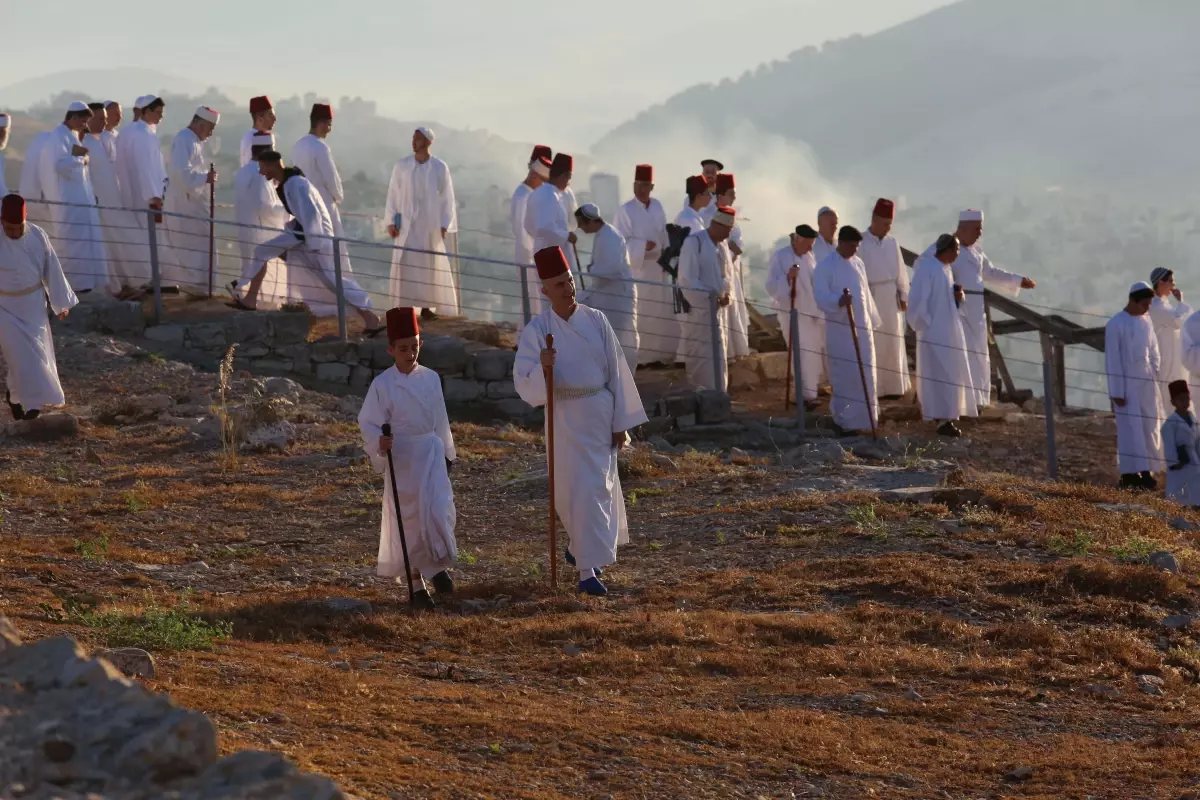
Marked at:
<point>341,294</point>
<point>718,350</point>
<point>155,270</point>
<point>1048,396</point>
<point>526,311</point>
<point>794,333</point>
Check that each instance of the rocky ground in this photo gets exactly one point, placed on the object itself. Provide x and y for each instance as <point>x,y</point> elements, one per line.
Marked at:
<point>913,618</point>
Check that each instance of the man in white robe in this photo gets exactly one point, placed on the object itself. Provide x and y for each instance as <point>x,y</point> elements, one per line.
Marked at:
<point>841,272</point>
<point>888,278</point>
<point>1180,437</point>
<point>704,270</point>
<point>257,204</point>
<point>307,244</point>
<point>75,224</point>
<point>262,120</point>
<point>31,279</point>
<point>142,175</point>
<point>420,211</point>
<point>974,272</point>
<point>694,216</point>
<point>735,317</point>
<point>710,168</point>
<point>944,384</point>
<point>792,266</point>
<point>611,290</point>
<point>191,178</point>
<point>595,403</point>
<point>102,169</point>
<point>1131,359</point>
<point>5,121</point>
<point>546,214</point>
<point>312,156</point>
<point>30,185</point>
<point>538,173</point>
<point>1168,317</point>
<point>1189,343</point>
<point>827,228</point>
<point>408,397</point>
<point>643,223</point>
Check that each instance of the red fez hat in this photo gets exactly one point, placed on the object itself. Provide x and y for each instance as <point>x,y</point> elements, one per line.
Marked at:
<point>402,323</point>
<point>696,184</point>
<point>540,150</point>
<point>12,209</point>
<point>320,111</point>
<point>260,104</point>
<point>562,164</point>
<point>885,208</point>
<point>724,182</point>
<point>643,173</point>
<point>550,262</point>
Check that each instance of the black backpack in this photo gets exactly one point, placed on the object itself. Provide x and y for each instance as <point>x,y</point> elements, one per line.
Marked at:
<point>669,261</point>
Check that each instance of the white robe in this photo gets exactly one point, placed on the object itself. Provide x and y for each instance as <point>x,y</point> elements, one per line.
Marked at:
<point>974,272</point>
<point>944,384</point>
<point>142,175</point>
<point>570,206</point>
<point>75,228</point>
<point>523,250</point>
<point>423,194</point>
<point>30,186</point>
<point>888,278</point>
<point>703,268</point>
<point>255,202</point>
<point>734,316</point>
<point>246,147</point>
<point>810,318</point>
<point>312,273</point>
<point>422,443</point>
<point>1183,484</point>
<point>187,193</point>
<point>658,329</point>
<point>831,277</point>
<point>1189,354</point>
<point>705,214</point>
<point>547,223</point>
<point>314,158</point>
<point>611,289</point>
<point>3,184</point>
<point>1167,318</point>
<point>102,167</point>
<point>822,249</point>
<point>30,276</point>
<point>1131,359</point>
<point>587,491</point>
<point>691,219</point>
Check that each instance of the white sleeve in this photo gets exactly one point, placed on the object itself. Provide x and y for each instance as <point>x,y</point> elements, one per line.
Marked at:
<point>1114,361</point>
<point>449,210</point>
<point>329,173</point>
<point>902,280</point>
<point>392,205</point>
<point>58,290</point>
<point>66,166</point>
<point>442,421</point>
<point>371,417</point>
<point>1000,278</point>
<point>919,296</point>
<point>182,150</point>
<point>527,367</point>
<point>825,294</point>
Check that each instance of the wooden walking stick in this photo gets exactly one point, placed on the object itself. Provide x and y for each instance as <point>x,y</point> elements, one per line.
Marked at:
<point>862,373</point>
<point>549,373</point>
<point>387,431</point>
<point>212,237</point>
<point>787,381</point>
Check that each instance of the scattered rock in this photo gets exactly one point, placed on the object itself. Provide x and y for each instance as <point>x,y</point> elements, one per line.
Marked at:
<point>1019,774</point>
<point>927,495</point>
<point>1150,684</point>
<point>713,407</point>
<point>152,403</point>
<point>738,454</point>
<point>46,428</point>
<point>1177,622</point>
<point>286,388</point>
<point>572,649</point>
<point>276,436</point>
<point>661,444</point>
<point>912,696</point>
<point>822,451</point>
<point>1100,690</point>
<point>1184,524</point>
<point>1161,559</point>
<point>953,526</point>
<point>346,605</point>
<point>130,660</point>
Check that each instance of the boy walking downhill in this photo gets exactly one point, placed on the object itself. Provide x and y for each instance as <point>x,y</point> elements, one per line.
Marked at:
<point>408,397</point>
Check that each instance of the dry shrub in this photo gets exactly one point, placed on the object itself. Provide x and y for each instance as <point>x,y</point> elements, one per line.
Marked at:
<point>1110,645</point>
<point>1138,583</point>
<point>814,630</point>
<point>1020,636</point>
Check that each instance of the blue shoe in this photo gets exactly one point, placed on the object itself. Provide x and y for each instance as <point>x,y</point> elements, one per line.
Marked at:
<point>571,560</point>
<point>594,587</point>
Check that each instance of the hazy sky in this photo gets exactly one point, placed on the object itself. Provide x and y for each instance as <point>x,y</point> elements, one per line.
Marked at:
<point>524,69</point>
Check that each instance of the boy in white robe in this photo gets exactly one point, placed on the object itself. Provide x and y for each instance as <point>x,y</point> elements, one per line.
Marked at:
<point>262,120</point>
<point>1131,359</point>
<point>31,277</point>
<point>610,279</point>
<point>794,264</point>
<point>595,403</point>
<point>1168,318</point>
<point>314,158</point>
<point>408,397</point>
<point>692,216</point>
<point>546,219</point>
<point>1180,437</point>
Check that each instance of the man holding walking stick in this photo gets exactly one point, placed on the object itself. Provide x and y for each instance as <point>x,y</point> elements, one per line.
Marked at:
<point>790,284</point>
<point>595,402</point>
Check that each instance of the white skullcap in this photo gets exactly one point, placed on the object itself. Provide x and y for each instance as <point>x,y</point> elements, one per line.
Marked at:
<point>825,210</point>
<point>259,139</point>
<point>971,215</point>
<point>724,217</point>
<point>77,105</point>
<point>108,103</point>
<point>1157,274</point>
<point>540,166</point>
<point>4,120</point>
<point>589,211</point>
<point>428,134</point>
<point>208,115</point>
<point>1140,286</point>
<point>143,101</point>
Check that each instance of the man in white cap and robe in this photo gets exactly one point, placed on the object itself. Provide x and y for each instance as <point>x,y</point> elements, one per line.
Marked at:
<point>888,278</point>
<point>1131,359</point>
<point>704,269</point>
<point>827,229</point>
<point>546,213</point>
<point>190,176</point>
<point>643,223</point>
<point>537,174</point>
<point>420,212</point>
<point>1167,314</point>
<point>102,169</point>
<point>610,279</point>
<point>257,206</point>
<point>142,175</point>
<point>735,317</point>
<point>595,403</point>
<point>974,272</point>
<point>5,122</point>
<point>314,158</point>
<point>790,284</point>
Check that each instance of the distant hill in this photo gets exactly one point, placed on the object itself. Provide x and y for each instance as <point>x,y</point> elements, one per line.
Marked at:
<point>122,84</point>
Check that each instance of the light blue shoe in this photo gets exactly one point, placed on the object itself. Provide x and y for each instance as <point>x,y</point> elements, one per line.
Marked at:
<point>593,587</point>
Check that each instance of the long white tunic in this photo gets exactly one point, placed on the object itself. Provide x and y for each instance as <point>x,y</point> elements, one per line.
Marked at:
<point>422,443</point>
<point>974,272</point>
<point>735,317</point>
<point>30,275</point>
<point>314,158</point>
<point>1183,482</point>
<point>944,384</point>
<point>142,175</point>
<point>703,268</point>
<point>831,277</point>
<point>822,249</point>
<point>3,184</point>
<point>810,318</point>
<point>423,194</point>
<point>888,278</point>
<point>1167,318</point>
<point>658,330</point>
<point>246,147</point>
<point>587,491</point>
<point>1131,359</point>
<point>611,289</point>
<point>76,227</point>
<point>102,168</point>
<point>691,219</point>
<point>255,202</point>
<point>523,249</point>
<point>308,245</point>
<point>570,206</point>
<point>31,173</point>
<point>546,221</point>
<point>1189,356</point>
<point>187,193</point>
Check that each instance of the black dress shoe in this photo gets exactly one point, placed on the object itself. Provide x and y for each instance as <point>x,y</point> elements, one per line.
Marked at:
<point>949,429</point>
<point>1147,481</point>
<point>1130,480</point>
<point>34,414</point>
<point>15,408</point>
<point>421,601</point>
<point>443,584</point>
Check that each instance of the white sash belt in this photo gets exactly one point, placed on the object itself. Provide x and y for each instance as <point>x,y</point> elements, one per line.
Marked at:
<point>22,292</point>
<point>576,392</point>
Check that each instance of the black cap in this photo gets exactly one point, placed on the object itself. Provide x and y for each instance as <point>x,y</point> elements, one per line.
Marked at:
<point>946,241</point>
<point>271,156</point>
<point>849,233</point>
<point>805,232</point>
<point>712,161</point>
